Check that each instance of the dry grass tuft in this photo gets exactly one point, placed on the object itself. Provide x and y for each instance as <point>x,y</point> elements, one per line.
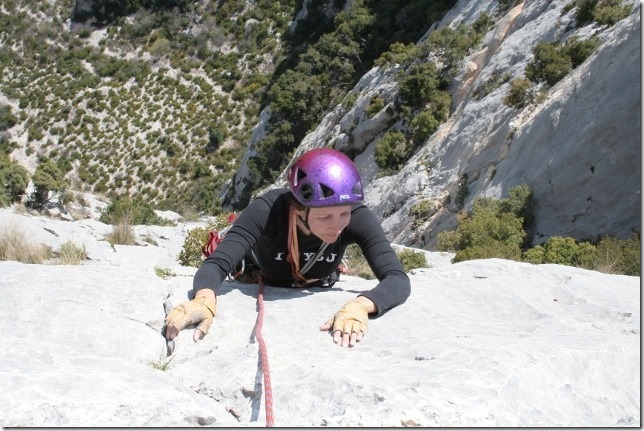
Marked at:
<point>122,233</point>
<point>16,245</point>
<point>71,254</point>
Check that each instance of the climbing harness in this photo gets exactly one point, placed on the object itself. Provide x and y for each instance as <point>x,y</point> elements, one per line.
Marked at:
<point>263,354</point>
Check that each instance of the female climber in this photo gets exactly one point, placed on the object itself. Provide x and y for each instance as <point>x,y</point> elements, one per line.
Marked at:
<point>297,237</point>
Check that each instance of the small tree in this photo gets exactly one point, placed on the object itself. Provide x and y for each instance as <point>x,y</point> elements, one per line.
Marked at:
<point>13,181</point>
<point>48,182</point>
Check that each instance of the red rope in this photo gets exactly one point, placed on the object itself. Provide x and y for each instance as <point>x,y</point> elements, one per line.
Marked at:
<point>263,354</point>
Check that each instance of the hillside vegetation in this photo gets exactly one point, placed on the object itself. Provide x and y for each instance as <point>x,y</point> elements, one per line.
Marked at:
<point>155,103</point>
<point>157,99</point>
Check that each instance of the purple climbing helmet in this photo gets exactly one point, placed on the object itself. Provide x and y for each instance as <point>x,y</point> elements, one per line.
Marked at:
<point>324,177</point>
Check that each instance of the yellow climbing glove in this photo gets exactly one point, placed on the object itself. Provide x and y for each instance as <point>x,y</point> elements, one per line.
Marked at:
<point>352,318</point>
<point>200,310</point>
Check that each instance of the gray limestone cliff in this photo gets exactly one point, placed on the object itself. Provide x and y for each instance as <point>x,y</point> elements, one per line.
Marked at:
<point>578,149</point>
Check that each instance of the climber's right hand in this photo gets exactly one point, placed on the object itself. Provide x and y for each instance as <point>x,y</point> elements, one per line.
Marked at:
<point>201,310</point>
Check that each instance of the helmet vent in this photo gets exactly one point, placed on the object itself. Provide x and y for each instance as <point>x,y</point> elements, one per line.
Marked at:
<point>326,192</point>
<point>306,192</point>
<point>299,175</point>
<point>357,189</point>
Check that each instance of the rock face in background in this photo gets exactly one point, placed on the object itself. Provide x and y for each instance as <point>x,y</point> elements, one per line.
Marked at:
<point>578,150</point>
<point>238,185</point>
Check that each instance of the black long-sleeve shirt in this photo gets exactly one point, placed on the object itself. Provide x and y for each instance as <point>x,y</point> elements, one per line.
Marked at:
<point>263,228</point>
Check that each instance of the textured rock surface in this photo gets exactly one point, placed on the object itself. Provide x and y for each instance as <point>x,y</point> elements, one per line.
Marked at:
<point>479,343</point>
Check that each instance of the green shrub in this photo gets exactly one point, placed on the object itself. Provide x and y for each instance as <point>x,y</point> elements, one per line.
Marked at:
<point>14,180</point>
<point>398,53</point>
<point>534,255</point>
<point>423,126</point>
<point>6,145</point>
<point>132,211</point>
<point>507,4</point>
<point>519,94</point>
<point>453,44</point>
<point>392,151</point>
<point>349,101</point>
<point>491,249</point>
<point>495,81</point>
<point>563,251</point>
<point>411,259</point>
<point>488,234</point>
<point>449,240</point>
<point>463,190</point>
<point>579,50</point>
<point>603,12</point>
<point>609,255</point>
<point>618,256</point>
<point>584,11</point>
<point>191,254</point>
<point>7,119</point>
<point>520,202</point>
<point>609,12</point>
<point>483,23</point>
<point>550,63</point>
<point>376,104</point>
<point>164,273</point>
<point>421,211</point>
<point>495,228</point>
<point>553,61</point>
<point>160,47</point>
<point>216,136</point>
<point>419,85</point>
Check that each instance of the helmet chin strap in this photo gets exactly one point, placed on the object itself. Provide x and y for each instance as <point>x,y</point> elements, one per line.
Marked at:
<point>305,220</point>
